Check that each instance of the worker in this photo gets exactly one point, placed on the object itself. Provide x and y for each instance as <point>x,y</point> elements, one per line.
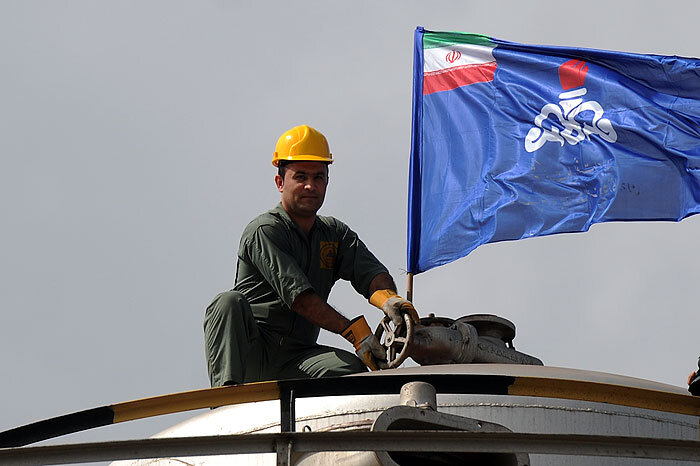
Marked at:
<point>694,381</point>
<point>266,327</point>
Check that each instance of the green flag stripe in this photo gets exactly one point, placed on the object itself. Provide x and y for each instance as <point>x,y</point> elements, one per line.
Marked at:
<point>443,39</point>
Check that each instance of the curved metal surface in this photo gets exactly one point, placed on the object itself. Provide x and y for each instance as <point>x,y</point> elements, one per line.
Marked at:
<point>407,418</point>
<point>570,447</point>
<point>541,372</point>
<point>530,412</point>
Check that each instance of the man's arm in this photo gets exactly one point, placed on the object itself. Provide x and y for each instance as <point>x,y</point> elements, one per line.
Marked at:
<point>382,291</point>
<point>383,281</point>
<point>313,308</point>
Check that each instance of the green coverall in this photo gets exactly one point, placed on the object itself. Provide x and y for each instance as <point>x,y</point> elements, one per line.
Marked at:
<point>251,332</point>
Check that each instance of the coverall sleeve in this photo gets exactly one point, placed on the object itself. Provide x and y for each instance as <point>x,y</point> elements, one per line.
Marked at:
<point>269,251</point>
<point>356,262</point>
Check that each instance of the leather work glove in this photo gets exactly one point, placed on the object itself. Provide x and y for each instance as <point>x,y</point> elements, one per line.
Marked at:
<point>393,305</point>
<point>366,345</point>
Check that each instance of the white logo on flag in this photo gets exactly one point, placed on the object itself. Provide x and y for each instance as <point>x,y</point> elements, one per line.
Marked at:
<point>572,75</point>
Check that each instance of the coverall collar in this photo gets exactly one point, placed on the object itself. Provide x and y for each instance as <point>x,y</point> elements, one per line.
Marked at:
<point>279,209</point>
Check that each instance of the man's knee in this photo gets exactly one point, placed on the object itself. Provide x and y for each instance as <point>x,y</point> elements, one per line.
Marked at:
<point>354,365</point>
<point>227,301</point>
<point>338,362</point>
<point>229,316</point>
<point>227,306</point>
<point>229,333</point>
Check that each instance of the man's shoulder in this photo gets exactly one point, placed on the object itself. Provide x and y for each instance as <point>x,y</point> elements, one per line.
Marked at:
<point>332,222</point>
<point>271,217</point>
<point>270,220</point>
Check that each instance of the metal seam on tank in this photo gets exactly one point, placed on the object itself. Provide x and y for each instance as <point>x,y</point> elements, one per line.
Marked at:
<point>363,423</point>
<point>257,429</point>
<point>359,423</point>
<point>316,417</point>
<point>571,409</point>
<point>343,413</point>
<point>311,418</point>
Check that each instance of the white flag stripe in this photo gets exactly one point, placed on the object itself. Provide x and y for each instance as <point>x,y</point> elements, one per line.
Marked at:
<point>452,56</point>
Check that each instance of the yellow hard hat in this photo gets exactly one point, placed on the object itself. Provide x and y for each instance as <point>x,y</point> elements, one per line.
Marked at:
<point>302,143</point>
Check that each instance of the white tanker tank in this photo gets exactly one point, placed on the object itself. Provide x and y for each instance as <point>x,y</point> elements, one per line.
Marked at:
<point>475,400</point>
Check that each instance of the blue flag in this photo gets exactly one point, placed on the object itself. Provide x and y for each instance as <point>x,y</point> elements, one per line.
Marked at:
<point>512,141</point>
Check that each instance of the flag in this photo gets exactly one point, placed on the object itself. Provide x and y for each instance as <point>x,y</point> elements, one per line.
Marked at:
<point>512,141</point>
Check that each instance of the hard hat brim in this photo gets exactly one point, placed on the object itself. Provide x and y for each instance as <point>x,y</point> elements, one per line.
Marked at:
<point>302,158</point>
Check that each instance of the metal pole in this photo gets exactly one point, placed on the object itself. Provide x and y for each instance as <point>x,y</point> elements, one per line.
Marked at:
<point>287,410</point>
<point>409,287</point>
<point>284,451</point>
<point>417,441</point>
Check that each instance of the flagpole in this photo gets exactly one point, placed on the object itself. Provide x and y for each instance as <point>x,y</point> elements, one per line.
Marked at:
<point>409,287</point>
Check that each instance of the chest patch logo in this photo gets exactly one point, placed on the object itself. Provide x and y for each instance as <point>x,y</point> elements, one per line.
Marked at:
<point>329,254</point>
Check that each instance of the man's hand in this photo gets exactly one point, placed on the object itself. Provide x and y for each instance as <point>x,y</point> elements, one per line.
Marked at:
<point>372,353</point>
<point>366,345</point>
<point>393,306</point>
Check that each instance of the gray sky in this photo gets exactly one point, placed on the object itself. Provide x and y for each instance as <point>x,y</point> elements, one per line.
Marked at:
<point>135,145</point>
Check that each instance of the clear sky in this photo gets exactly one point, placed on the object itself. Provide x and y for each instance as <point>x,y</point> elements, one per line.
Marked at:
<point>135,145</point>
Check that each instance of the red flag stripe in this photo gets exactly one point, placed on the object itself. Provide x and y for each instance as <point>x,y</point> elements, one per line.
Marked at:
<point>452,78</point>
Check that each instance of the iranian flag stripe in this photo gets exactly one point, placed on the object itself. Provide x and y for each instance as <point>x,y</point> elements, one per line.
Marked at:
<point>453,56</point>
<point>446,39</point>
<point>452,78</point>
<point>447,66</point>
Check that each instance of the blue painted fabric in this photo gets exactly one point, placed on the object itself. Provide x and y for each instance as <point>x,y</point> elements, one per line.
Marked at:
<point>524,155</point>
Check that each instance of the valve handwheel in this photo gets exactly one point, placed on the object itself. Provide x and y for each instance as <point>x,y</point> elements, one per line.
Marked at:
<point>397,340</point>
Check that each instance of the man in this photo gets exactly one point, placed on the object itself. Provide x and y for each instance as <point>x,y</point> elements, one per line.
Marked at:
<point>694,381</point>
<point>266,327</point>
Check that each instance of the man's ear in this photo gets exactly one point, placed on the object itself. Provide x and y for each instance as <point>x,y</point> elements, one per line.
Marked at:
<point>279,181</point>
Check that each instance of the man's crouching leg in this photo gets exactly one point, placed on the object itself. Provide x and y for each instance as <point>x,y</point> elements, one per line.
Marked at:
<point>230,332</point>
<point>326,361</point>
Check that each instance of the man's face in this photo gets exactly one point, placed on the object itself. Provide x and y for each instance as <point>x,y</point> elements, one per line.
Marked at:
<point>303,187</point>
